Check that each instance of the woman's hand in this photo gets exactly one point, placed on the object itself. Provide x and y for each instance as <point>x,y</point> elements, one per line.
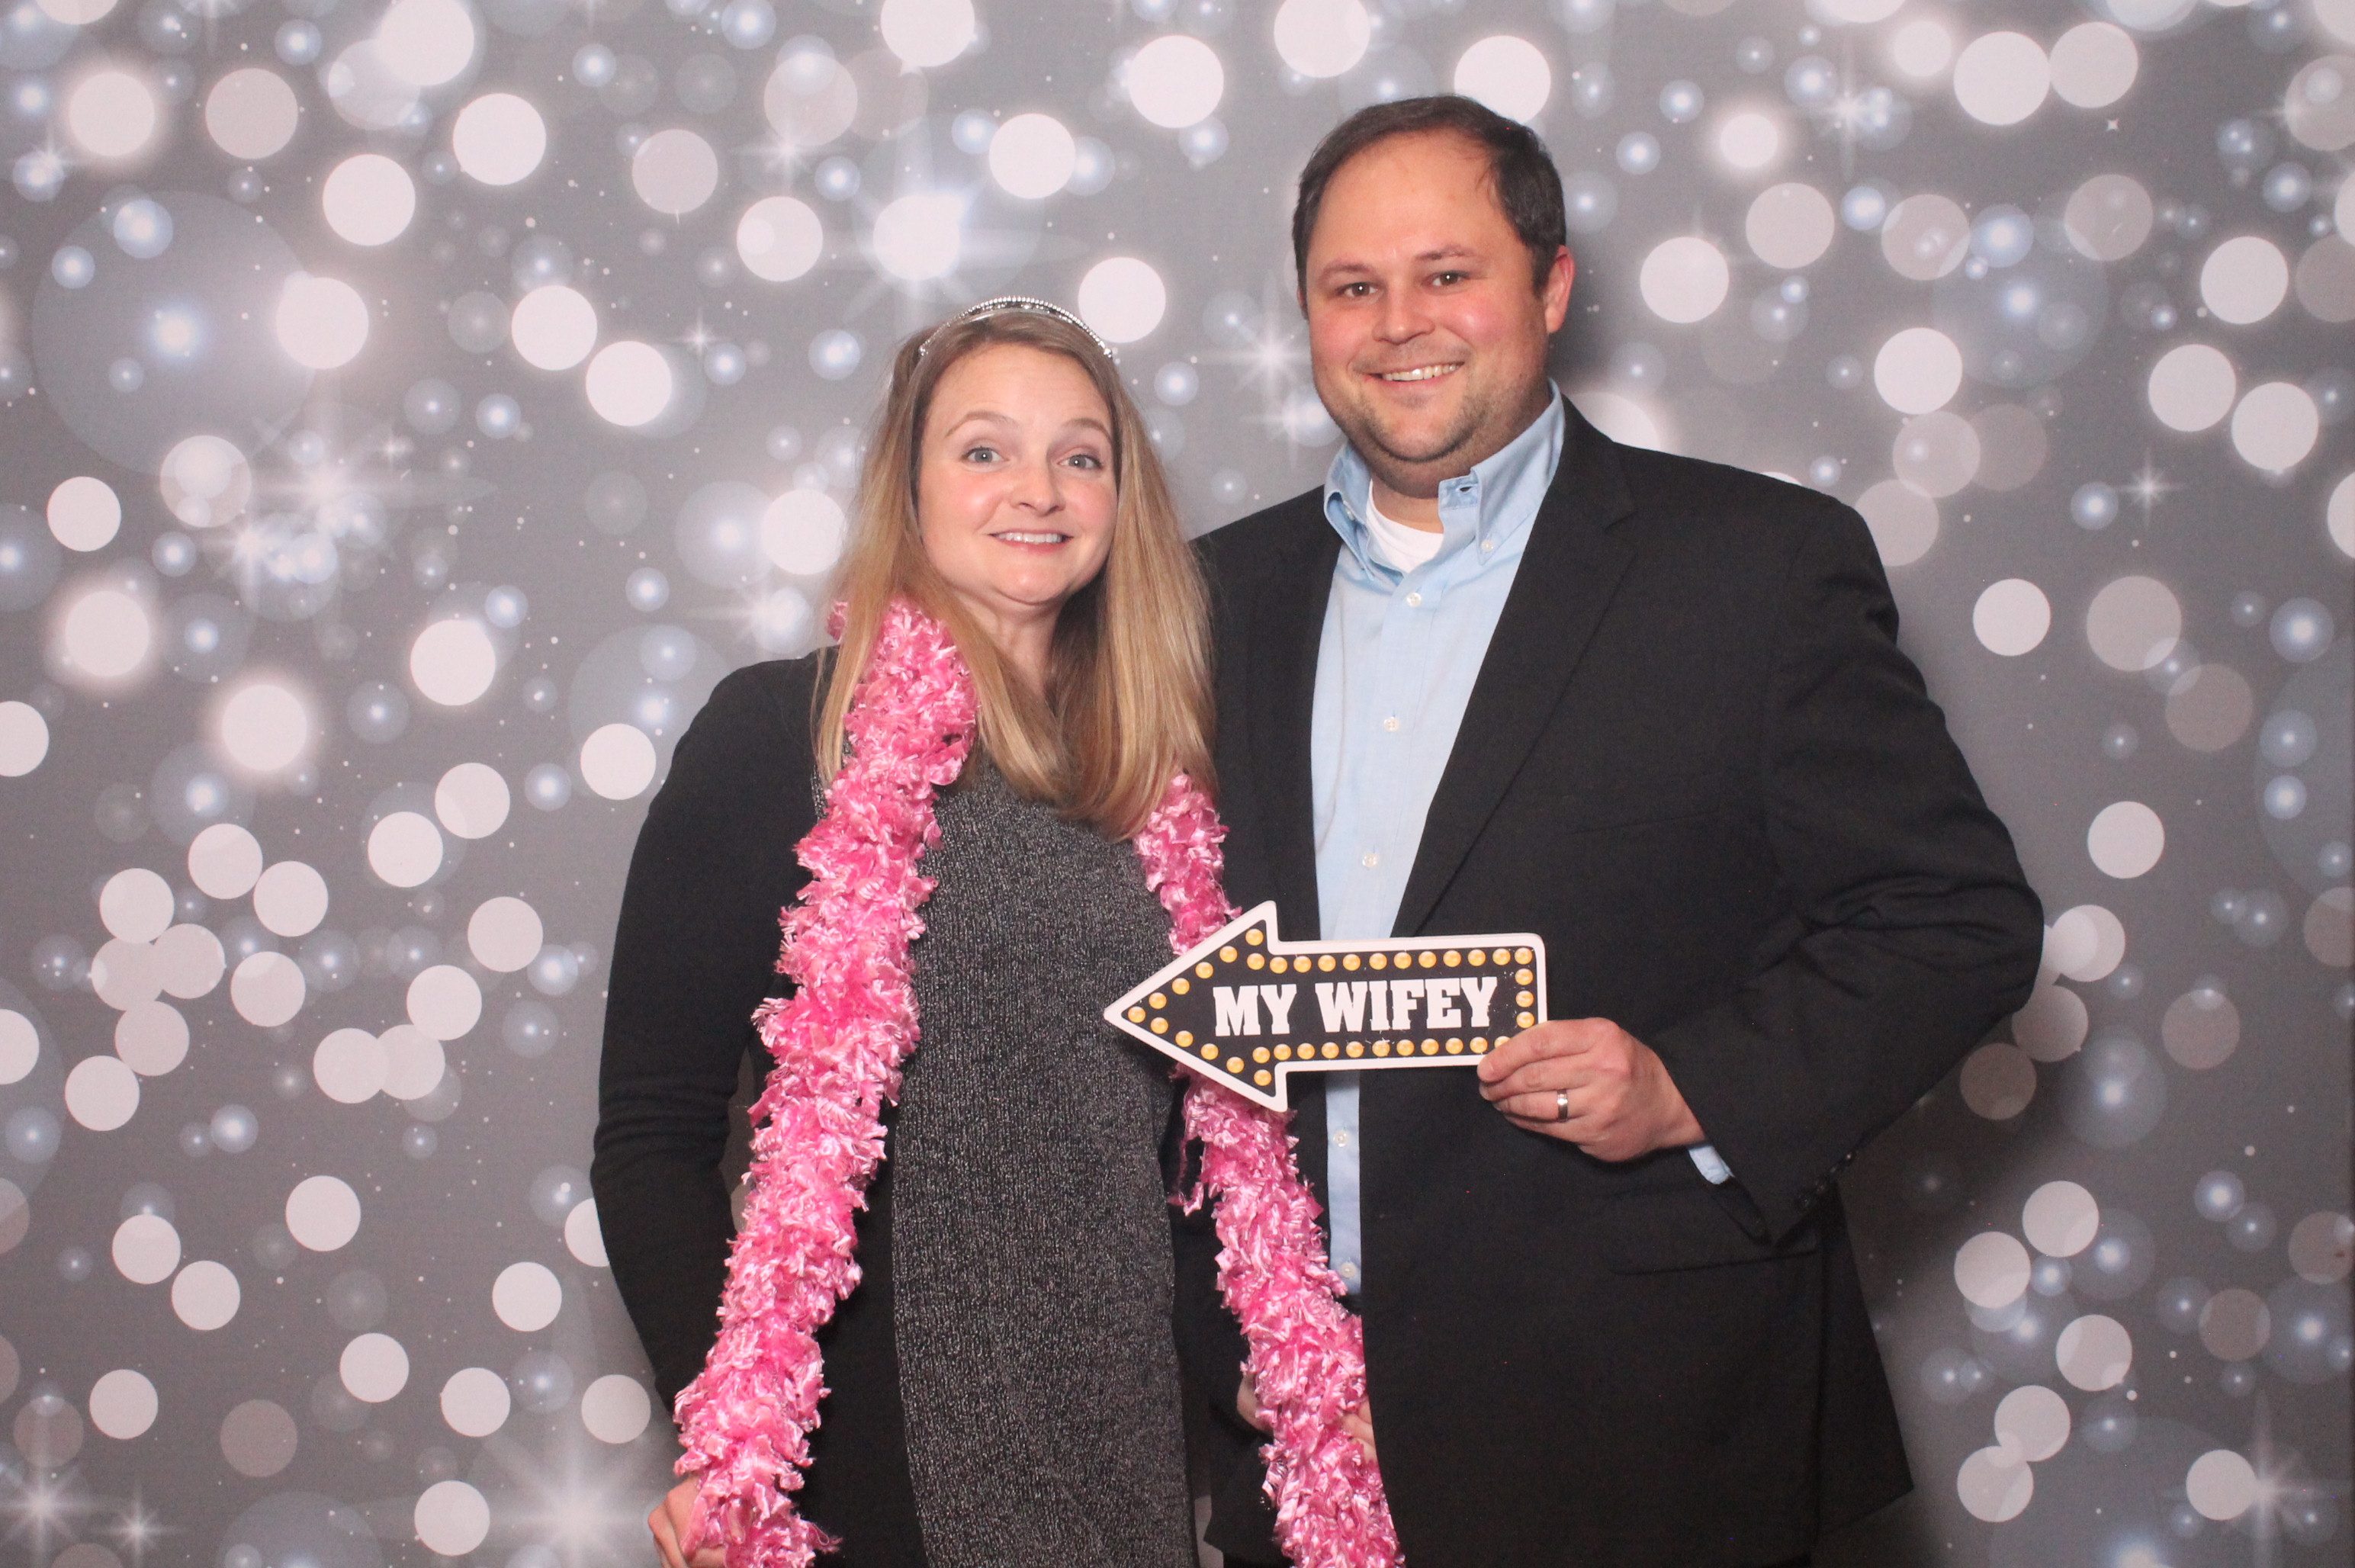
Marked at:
<point>1359,1424</point>
<point>673,1523</point>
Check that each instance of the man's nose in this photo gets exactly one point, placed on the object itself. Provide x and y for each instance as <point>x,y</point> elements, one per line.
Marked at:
<point>1401,317</point>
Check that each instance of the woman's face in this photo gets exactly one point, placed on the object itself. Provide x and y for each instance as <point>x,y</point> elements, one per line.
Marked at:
<point>1015,490</point>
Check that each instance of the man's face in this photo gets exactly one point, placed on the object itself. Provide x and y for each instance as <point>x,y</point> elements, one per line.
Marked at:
<point>1427,341</point>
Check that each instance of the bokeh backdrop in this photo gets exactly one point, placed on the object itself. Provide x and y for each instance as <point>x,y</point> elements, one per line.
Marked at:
<point>409,410</point>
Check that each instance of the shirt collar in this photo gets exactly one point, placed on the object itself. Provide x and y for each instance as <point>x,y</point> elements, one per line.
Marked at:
<point>1496,502</point>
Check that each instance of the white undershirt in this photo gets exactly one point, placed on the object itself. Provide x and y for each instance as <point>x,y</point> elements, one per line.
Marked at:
<point>1403,547</point>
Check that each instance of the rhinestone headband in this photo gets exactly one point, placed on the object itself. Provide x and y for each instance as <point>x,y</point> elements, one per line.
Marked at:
<point>1015,301</point>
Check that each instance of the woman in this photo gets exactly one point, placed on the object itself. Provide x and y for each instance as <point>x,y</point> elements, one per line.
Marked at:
<point>1002,1384</point>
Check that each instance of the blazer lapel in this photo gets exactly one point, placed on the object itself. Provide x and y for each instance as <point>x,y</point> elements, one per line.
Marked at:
<point>1287,625</point>
<point>1569,571</point>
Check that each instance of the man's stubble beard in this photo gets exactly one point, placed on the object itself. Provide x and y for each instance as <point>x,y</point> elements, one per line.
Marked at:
<point>1416,472</point>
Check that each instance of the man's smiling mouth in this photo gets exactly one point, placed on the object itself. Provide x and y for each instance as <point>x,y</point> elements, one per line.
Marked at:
<point>1420,373</point>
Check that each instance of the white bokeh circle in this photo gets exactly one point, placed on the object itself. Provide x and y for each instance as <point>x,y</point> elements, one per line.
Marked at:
<point>101,1092</point>
<point>374,1368</point>
<point>1994,1484</point>
<point>20,1046</point>
<point>527,1297</point>
<point>444,1001</point>
<point>2001,78</point>
<point>1321,39</point>
<point>615,1408</point>
<point>349,1066</point>
<point>2086,943</point>
<point>24,739</point>
<point>630,384</point>
<point>290,899</point>
<point>475,1402</point>
<point>471,800</point>
<point>1790,226</point>
<point>1122,299</point>
<point>323,1213</point>
<point>2125,839</point>
<point>122,1404</point>
<point>2094,1352</point>
<point>499,139</point>
<point>675,171</point>
<point>1918,370</point>
<point>2245,280</point>
<point>451,1518</point>
<point>84,513</point>
<point>2012,617</point>
<point>146,1249</point>
<point>1033,155</point>
<point>927,33</point>
<point>368,200</point>
<point>2192,386</point>
<point>2275,425</point>
<point>2094,65</point>
<point>803,531</point>
<point>1684,279</point>
<point>414,1062</point>
<point>224,860</point>
<point>2034,1421</point>
<point>106,635</point>
<point>583,1237</point>
<point>779,238</point>
<point>919,237</point>
<point>553,327</point>
<point>206,1296</point>
<point>452,661</point>
<point>2060,1219</point>
<point>618,761</point>
<point>2220,1485</point>
<point>264,727</point>
<point>111,113</point>
<point>1992,1269</point>
<point>1903,521</point>
<point>152,1037</point>
<point>322,322</point>
<point>1507,73</point>
<point>251,113</point>
<point>135,904</point>
<point>503,935</point>
<point>405,850</point>
<point>1176,80</point>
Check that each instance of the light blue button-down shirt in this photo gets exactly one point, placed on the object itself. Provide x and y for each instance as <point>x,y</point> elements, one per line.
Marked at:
<point>1394,670</point>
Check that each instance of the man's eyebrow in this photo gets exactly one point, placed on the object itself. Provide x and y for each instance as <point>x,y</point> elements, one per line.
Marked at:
<point>1344,265</point>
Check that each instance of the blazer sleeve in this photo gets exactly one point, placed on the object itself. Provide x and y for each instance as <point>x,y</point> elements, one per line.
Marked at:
<point>694,955</point>
<point>1913,929</point>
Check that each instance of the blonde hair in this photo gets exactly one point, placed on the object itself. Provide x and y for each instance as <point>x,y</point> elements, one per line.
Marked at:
<point>1126,703</point>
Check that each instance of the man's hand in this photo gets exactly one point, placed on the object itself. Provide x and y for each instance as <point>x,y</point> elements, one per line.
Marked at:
<point>673,1523</point>
<point>1620,1100</point>
<point>1359,1424</point>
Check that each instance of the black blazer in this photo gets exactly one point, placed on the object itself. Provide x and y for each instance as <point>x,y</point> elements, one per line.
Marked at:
<point>1697,764</point>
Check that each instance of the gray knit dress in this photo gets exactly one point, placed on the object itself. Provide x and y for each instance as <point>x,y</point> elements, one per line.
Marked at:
<point>1030,1240</point>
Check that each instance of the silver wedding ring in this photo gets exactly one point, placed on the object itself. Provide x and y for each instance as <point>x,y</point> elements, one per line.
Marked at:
<point>1561,1104</point>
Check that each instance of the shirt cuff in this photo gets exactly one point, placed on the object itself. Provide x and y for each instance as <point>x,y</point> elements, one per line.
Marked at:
<point>1713,1169</point>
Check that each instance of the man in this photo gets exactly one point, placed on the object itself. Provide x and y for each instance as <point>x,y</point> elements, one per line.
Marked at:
<point>1501,674</point>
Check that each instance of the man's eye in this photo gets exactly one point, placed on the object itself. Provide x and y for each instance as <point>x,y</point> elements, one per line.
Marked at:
<point>1446,279</point>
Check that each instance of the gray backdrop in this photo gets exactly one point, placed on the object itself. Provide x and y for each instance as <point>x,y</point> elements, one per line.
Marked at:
<point>409,413</point>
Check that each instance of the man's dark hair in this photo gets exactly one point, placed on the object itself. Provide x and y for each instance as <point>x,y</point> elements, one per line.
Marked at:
<point>1520,170</point>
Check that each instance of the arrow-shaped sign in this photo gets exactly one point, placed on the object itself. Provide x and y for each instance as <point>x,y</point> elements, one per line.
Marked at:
<point>1248,1010</point>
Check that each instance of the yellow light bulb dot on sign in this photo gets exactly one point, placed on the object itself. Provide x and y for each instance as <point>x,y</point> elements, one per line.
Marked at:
<point>1325,963</point>
<point>1254,937</point>
<point>1156,1001</point>
<point>1227,954</point>
<point>1210,1053</point>
<point>1256,961</point>
<point>1430,960</point>
<point>1477,956</point>
<point>1259,1054</point>
<point>1234,1064</point>
<point>1186,1037</point>
<point>1431,1047</point>
<point>1523,977</point>
<point>1455,1048</point>
<point>1203,969</point>
<point>1331,1051</point>
<point>1378,960</point>
<point>1528,1020</point>
<point>1350,961</point>
<point>1522,955</point>
<point>1355,1047</point>
<point>1284,1053</point>
<point>1479,1046</point>
<point>1381,1048</point>
<point>1263,1078</point>
<point>1181,985</point>
<point>1276,966</point>
<point>1454,959</point>
<point>1524,998</point>
<point>1161,1026</point>
<point>1137,1015</point>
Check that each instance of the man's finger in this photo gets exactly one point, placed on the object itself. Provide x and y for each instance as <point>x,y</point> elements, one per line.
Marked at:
<point>666,1538</point>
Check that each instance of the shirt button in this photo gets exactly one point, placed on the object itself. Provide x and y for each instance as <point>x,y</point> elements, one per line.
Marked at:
<point>1487,545</point>
<point>1341,1139</point>
<point>1391,723</point>
<point>1369,858</point>
<point>1413,600</point>
<point>1348,1271</point>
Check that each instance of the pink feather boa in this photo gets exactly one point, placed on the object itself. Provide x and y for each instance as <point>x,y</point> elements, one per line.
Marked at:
<point>840,1042</point>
